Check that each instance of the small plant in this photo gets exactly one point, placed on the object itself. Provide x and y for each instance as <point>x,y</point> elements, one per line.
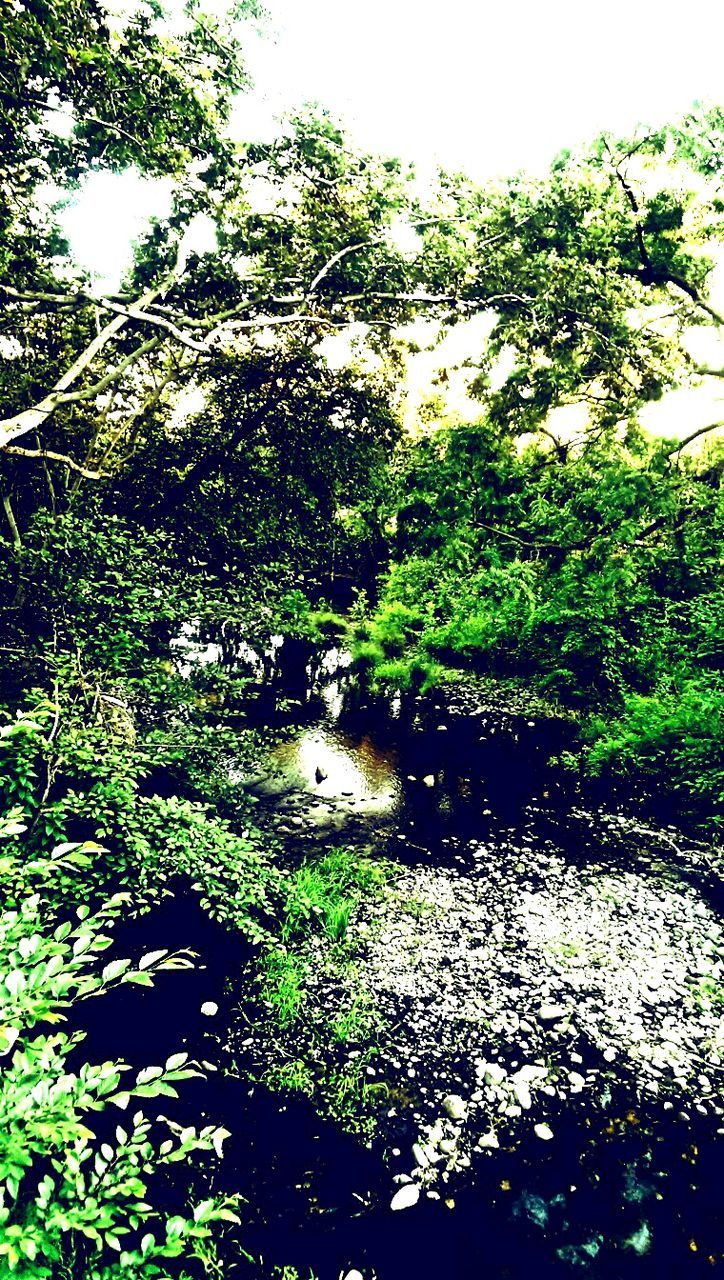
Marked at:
<point>74,1204</point>
<point>324,892</point>
<point>282,985</point>
<point>290,1077</point>
<point>357,1022</point>
<point>353,1096</point>
<point>709,993</point>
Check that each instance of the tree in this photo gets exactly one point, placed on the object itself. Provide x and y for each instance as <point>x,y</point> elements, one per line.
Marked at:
<point>561,261</point>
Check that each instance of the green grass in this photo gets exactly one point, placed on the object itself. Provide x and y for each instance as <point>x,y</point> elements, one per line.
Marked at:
<point>282,983</point>
<point>356,1023</point>
<point>290,1077</point>
<point>352,1097</point>
<point>325,890</point>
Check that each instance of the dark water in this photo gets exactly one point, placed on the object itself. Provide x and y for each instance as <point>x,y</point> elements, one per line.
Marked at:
<point>624,1191</point>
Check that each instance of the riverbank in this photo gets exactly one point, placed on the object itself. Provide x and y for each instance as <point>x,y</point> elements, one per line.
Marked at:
<point>535,978</point>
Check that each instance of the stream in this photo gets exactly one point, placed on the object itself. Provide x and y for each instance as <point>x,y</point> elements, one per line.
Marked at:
<point>548,974</point>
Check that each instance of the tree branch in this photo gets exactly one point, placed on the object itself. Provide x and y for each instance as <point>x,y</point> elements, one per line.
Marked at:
<point>32,419</point>
<point>649,274</point>
<point>148,317</point>
<point>701,431</point>
<point>12,522</point>
<point>49,455</point>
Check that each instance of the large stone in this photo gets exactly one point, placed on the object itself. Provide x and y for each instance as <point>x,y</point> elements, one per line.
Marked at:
<point>552,1012</point>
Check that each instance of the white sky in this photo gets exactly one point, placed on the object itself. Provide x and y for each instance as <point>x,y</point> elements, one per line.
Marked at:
<point>491,87</point>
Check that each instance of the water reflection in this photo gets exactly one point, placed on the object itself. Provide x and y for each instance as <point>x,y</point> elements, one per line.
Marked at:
<point>336,766</point>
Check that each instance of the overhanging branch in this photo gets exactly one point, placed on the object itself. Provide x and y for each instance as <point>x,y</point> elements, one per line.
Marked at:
<point>49,455</point>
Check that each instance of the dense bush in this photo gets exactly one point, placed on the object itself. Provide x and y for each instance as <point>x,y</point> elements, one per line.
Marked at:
<point>81,781</point>
<point>75,1202</point>
<point>673,738</point>
<point>594,577</point>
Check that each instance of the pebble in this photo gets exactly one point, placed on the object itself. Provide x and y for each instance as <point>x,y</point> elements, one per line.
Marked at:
<point>488,1140</point>
<point>420,1156</point>
<point>454,1106</point>
<point>543,1131</point>
<point>552,1012</point>
<point>523,1095</point>
<point>406,1197</point>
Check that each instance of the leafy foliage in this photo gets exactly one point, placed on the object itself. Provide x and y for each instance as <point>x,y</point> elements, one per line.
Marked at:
<point>595,575</point>
<point>73,1200</point>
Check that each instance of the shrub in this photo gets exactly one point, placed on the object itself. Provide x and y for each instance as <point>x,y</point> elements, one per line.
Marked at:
<point>81,786</point>
<point>673,738</point>
<point>72,1203</point>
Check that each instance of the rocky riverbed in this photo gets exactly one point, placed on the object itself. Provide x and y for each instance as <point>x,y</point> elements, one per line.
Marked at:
<point>539,982</point>
<point>529,979</point>
<point>520,979</point>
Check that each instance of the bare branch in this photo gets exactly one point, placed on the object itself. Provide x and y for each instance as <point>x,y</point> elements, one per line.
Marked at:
<point>677,447</point>
<point>32,419</point>
<point>148,317</point>
<point>49,455</point>
<point>332,262</point>
<point>12,522</point>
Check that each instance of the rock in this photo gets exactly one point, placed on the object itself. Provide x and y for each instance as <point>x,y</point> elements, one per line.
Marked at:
<point>552,1012</point>
<point>406,1197</point>
<point>454,1107</point>
<point>447,1146</point>
<point>543,1131</point>
<point>436,1133</point>
<point>419,1156</point>
<point>528,1073</point>
<point>429,779</point>
<point>209,1008</point>
<point>488,1140</point>
<point>354,1275</point>
<point>522,1094</point>
<point>320,774</point>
